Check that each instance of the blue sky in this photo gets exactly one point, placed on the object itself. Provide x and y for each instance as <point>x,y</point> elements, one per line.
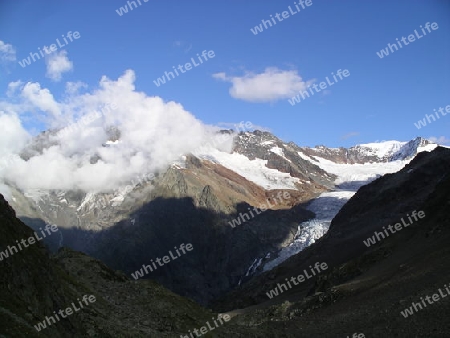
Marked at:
<point>380,100</point>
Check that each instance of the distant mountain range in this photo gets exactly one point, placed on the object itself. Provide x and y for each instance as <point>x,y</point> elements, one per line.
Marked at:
<point>197,198</point>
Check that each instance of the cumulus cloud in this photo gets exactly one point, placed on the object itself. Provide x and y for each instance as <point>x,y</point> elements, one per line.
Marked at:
<point>41,99</point>
<point>7,53</point>
<point>271,85</point>
<point>152,134</point>
<point>57,64</point>
<point>439,140</point>
<point>13,137</point>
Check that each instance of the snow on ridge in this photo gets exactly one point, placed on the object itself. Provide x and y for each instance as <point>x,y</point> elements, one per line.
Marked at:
<point>381,149</point>
<point>253,170</point>
<point>359,172</point>
<point>412,148</point>
<point>395,150</point>
<point>179,163</point>
<point>383,144</point>
<point>277,150</point>
<point>428,147</point>
<point>306,157</point>
<point>401,153</point>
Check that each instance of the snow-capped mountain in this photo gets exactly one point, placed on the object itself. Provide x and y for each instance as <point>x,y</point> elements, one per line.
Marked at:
<point>351,168</point>
<point>386,151</point>
<point>197,198</point>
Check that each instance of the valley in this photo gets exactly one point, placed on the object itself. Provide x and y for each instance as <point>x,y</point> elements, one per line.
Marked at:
<point>247,269</point>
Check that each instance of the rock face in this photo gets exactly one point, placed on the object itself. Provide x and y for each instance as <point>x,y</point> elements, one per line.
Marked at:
<point>282,157</point>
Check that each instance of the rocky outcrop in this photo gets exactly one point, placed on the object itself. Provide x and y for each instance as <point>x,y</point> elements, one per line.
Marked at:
<point>283,157</point>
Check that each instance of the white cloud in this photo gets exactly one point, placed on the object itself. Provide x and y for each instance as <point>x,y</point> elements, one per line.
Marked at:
<point>41,99</point>
<point>30,98</point>
<point>439,140</point>
<point>13,87</point>
<point>57,64</point>
<point>74,87</point>
<point>271,85</point>
<point>12,139</point>
<point>153,134</point>
<point>12,135</point>
<point>7,53</point>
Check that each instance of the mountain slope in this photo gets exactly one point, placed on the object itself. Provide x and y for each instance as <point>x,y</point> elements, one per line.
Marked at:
<point>365,290</point>
<point>206,198</point>
<point>377,204</point>
<point>34,284</point>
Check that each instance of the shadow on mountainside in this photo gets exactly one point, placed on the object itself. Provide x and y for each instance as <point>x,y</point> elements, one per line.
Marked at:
<point>369,292</point>
<point>221,256</point>
<point>34,284</point>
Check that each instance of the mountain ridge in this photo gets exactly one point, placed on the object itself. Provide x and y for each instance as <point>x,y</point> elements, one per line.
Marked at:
<point>218,186</point>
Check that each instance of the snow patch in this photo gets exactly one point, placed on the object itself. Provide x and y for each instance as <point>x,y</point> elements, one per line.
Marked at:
<point>277,150</point>
<point>381,149</point>
<point>306,157</point>
<point>253,170</point>
<point>89,198</point>
<point>363,173</point>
